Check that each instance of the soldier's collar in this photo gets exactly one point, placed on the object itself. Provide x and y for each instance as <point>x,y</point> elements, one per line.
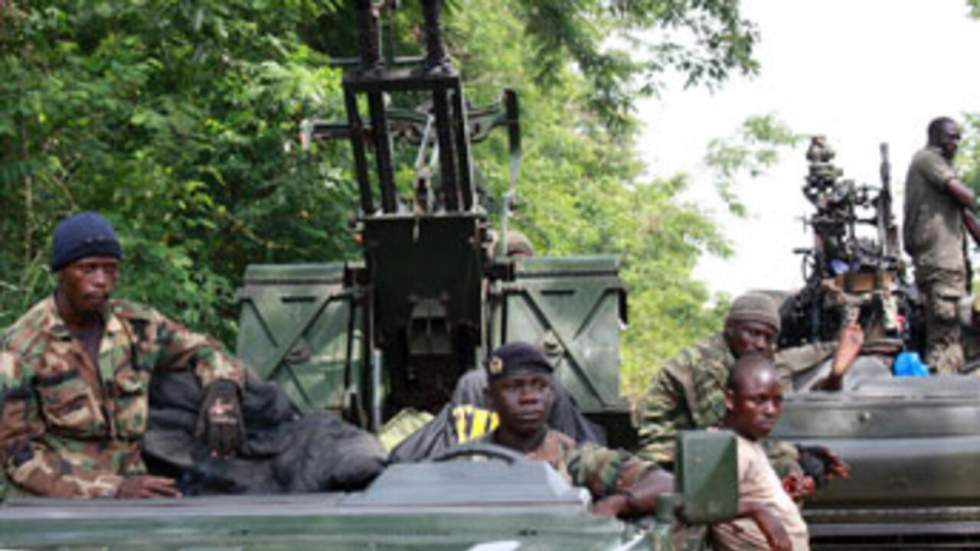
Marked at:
<point>51,321</point>
<point>57,328</point>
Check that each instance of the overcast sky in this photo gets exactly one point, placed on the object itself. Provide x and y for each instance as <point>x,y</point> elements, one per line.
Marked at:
<point>860,72</point>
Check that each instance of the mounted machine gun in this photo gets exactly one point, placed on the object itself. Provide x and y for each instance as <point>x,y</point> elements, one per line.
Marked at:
<point>848,270</point>
<point>433,294</point>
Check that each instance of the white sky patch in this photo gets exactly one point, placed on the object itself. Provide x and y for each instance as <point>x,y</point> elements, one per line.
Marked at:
<point>860,72</point>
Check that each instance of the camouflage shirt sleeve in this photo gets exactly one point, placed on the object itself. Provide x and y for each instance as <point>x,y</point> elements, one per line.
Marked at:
<point>601,470</point>
<point>26,460</point>
<point>168,345</point>
<point>661,412</point>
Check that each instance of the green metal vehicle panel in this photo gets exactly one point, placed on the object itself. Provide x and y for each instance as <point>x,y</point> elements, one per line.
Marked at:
<point>297,328</point>
<point>913,445</point>
<point>302,325</point>
<point>504,503</point>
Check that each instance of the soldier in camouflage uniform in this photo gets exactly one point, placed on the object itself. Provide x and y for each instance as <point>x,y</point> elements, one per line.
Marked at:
<point>74,375</point>
<point>938,206</point>
<point>520,391</point>
<point>689,391</point>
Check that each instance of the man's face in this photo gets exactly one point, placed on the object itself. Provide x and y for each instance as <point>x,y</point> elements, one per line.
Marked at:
<point>948,139</point>
<point>750,336</point>
<point>755,406</point>
<point>87,283</point>
<point>523,402</point>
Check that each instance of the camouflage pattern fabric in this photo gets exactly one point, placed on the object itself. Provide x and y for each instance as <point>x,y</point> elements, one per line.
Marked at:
<point>601,470</point>
<point>69,428</point>
<point>689,393</point>
<point>942,290</point>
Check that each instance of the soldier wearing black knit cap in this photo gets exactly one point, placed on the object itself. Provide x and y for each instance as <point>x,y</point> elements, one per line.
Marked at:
<point>75,373</point>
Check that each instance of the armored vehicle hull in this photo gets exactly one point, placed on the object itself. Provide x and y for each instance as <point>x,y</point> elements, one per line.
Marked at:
<point>913,445</point>
<point>502,502</point>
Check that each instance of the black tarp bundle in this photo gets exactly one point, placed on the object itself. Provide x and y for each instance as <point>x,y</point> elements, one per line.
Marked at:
<point>284,452</point>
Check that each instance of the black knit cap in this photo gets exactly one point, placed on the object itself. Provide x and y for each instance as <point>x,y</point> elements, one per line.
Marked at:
<point>516,357</point>
<point>82,235</point>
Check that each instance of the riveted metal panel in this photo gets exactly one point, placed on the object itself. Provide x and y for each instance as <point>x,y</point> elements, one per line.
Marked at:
<point>300,328</point>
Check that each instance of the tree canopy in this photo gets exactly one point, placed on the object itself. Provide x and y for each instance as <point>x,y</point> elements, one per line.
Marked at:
<point>178,121</point>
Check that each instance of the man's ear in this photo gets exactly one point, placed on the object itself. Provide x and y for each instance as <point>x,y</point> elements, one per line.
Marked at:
<point>488,396</point>
<point>729,399</point>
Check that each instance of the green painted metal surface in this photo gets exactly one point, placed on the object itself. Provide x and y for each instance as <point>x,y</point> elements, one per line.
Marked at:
<point>575,308</point>
<point>707,475</point>
<point>913,445</point>
<point>300,327</point>
<point>190,526</point>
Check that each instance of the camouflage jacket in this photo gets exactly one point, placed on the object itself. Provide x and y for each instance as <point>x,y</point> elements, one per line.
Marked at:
<point>72,429</point>
<point>689,393</point>
<point>601,470</point>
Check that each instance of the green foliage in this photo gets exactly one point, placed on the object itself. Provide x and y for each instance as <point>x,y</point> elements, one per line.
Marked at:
<point>754,148</point>
<point>175,119</point>
<point>974,6</point>
<point>622,46</point>
<point>968,157</point>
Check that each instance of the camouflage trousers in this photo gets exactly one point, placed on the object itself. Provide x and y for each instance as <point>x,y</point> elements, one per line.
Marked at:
<point>941,290</point>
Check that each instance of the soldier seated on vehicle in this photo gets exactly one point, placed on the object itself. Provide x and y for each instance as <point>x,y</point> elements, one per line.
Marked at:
<point>768,517</point>
<point>77,373</point>
<point>688,391</point>
<point>468,416</point>
<point>521,391</point>
<point>74,374</point>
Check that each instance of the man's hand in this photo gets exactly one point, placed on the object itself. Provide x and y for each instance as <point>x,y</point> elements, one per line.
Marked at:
<point>822,464</point>
<point>799,486</point>
<point>616,505</point>
<point>769,525</point>
<point>219,421</point>
<point>145,486</point>
<point>849,343</point>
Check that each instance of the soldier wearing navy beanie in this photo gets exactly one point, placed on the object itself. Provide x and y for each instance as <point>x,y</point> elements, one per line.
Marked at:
<point>81,235</point>
<point>75,372</point>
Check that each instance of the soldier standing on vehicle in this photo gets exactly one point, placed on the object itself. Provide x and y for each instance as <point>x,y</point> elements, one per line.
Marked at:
<point>768,518</point>
<point>75,372</point>
<point>521,392</point>
<point>688,392</point>
<point>937,208</point>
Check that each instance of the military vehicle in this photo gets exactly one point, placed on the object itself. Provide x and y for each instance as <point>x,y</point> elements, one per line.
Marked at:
<point>436,289</point>
<point>434,293</point>
<point>913,443</point>
<point>508,502</point>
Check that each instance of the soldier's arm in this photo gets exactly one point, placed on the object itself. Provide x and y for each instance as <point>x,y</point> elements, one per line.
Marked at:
<point>607,472</point>
<point>972,225</point>
<point>172,346</point>
<point>660,413</point>
<point>26,460</point>
<point>939,172</point>
<point>963,195</point>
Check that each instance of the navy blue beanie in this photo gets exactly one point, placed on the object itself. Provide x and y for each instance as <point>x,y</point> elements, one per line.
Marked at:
<point>82,235</point>
<point>516,357</point>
